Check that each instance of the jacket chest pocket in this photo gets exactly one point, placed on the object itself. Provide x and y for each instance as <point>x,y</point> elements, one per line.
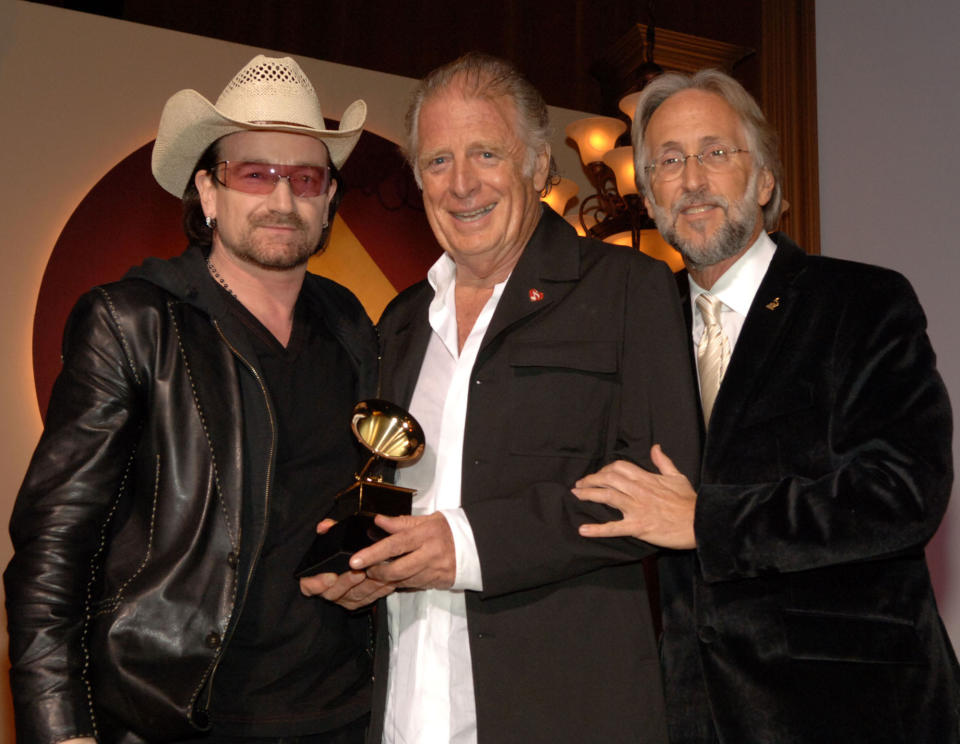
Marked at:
<point>560,397</point>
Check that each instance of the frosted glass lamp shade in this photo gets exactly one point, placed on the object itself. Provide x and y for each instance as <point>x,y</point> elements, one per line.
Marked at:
<point>628,104</point>
<point>560,195</point>
<point>595,135</point>
<point>620,161</point>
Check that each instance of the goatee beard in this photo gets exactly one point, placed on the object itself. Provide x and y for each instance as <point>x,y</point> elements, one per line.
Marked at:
<point>250,250</point>
<point>728,240</point>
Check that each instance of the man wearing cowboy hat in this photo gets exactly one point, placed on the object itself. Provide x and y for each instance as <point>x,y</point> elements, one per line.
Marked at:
<point>195,436</point>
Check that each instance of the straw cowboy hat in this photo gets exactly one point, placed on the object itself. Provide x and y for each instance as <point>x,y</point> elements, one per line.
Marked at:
<point>269,93</point>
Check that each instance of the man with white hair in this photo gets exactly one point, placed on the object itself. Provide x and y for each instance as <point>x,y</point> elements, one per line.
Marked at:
<point>797,605</point>
<point>197,432</point>
<point>530,357</point>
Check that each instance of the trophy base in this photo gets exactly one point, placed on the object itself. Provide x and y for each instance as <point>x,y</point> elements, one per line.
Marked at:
<point>372,497</point>
<point>355,530</point>
<point>331,551</point>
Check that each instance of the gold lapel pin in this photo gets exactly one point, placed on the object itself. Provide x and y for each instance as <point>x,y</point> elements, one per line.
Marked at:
<point>773,305</point>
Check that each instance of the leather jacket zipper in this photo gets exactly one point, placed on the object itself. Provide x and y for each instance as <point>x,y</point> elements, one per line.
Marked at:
<point>266,502</point>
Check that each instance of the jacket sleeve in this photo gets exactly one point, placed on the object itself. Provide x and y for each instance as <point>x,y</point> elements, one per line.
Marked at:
<point>72,484</point>
<point>528,538</point>
<point>869,479</point>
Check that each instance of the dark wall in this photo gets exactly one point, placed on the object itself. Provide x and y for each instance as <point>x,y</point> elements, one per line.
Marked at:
<point>554,43</point>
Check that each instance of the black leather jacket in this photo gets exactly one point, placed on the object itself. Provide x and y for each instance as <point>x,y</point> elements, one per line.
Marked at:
<point>123,589</point>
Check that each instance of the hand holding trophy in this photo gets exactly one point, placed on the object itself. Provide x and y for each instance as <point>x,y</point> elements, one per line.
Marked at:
<point>390,433</point>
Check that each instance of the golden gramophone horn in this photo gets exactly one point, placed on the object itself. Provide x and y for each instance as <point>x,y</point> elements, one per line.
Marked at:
<point>390,433</point>
<point>387,430</point>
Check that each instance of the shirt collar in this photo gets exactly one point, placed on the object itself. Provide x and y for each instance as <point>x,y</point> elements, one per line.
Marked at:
<point>442,315</point>
<point>738,284</point>
<point>442,274</point>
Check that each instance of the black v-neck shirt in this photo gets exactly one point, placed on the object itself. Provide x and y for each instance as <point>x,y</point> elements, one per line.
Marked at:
<point>296,665</point>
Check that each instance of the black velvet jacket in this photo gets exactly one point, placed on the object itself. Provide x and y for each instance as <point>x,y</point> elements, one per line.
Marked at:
<point>806,613</point>
<point>123,589</point>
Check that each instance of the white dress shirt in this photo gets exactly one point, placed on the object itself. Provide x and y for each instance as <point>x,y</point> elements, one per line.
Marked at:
<point>736,289</point>
<point>430,686</point>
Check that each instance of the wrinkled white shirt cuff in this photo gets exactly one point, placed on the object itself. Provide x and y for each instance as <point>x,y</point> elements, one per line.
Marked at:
<point>468,562</point>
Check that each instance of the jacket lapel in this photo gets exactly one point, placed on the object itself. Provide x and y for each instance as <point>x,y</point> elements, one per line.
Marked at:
<point>211,361</point>
<point>774,309</point>
<point>408,346</point>
<point>546,271</point>
<point>549,265</point>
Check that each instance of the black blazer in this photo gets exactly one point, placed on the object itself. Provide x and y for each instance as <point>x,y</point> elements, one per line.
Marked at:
<point>806,613</point>
<point>596,370</point>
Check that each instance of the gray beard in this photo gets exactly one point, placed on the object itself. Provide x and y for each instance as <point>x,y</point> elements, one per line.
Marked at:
<point>729,239</point>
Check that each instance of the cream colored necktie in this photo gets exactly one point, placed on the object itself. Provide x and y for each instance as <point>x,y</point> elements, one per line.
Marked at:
<point>713,352</point>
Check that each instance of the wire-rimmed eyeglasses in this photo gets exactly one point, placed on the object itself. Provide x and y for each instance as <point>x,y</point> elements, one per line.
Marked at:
<point>716,158</point>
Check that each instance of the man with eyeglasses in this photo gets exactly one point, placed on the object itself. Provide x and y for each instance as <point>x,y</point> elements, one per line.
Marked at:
<point>195,437</point>
<point>797,603</point>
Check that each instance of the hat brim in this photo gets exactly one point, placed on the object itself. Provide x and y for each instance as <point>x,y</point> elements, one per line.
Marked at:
<point>189,124</point>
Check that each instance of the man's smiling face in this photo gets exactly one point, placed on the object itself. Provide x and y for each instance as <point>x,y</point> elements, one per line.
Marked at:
<point>707,216</point>
<point>481,182</point>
